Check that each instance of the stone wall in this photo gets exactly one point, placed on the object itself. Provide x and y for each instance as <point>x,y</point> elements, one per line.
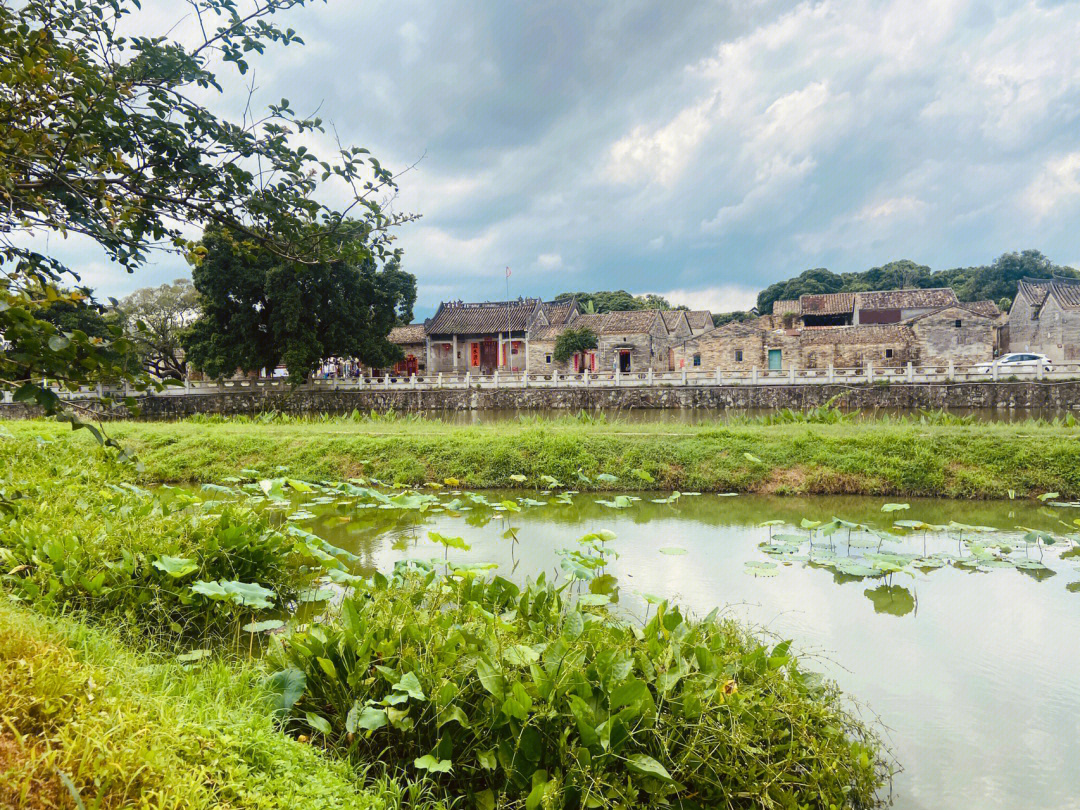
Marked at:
<point>1002,395</point>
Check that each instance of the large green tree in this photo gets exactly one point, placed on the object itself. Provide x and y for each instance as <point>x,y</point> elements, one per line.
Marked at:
<point>109,136</point>
<point>259,309</point>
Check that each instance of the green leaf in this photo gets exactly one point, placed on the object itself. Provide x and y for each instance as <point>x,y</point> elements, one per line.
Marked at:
<point>285,688</point>
<point>263,626</point>
<point>752,458</point>
<point>410,685</point>
<point>673,550</point>
<point>176,567</point>
<point>58,343</point>
<point>320,724</point>
<point>194,655</point>
<point>487,760</point>
<point>491,679</point>
<point>366,718</point>
<point>647,766</point>
<point>895,507</point>
<point>429,763</point>
<point>573,625</point>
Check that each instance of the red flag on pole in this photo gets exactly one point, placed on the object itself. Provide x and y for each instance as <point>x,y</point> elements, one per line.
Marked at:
<point>508,272</point>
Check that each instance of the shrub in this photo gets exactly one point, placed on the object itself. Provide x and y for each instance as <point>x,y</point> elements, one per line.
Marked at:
<point>518,697</point>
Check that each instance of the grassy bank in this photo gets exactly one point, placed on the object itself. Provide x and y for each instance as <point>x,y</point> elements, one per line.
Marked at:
<point>84,716</point>
<point>881,457</point>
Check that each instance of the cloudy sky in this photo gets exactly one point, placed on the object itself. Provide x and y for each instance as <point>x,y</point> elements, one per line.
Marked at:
<point>697,149</point>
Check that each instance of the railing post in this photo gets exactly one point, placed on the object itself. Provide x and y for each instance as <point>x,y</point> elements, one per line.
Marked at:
<point>1039,371</point>
<point>753,376</point>
<point>524,379</point>
<point>439,383</point>
<point>910,371</point>
<point>412,381</point>
<point>555,377</point>
<point>952,369</point>
<point>650,377</point>
<point>791,374</point>
<point>684,375</point>
<point>586,378</point>
<point>832,373</point>
<point>468,379</point>
<point>386,380</point>
<point>719,376</point>
<point>870,371</point>
<point>496,378</point>
<point>994,367</point>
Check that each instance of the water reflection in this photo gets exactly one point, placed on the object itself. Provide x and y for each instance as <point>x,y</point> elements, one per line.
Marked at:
<point>947,653</point>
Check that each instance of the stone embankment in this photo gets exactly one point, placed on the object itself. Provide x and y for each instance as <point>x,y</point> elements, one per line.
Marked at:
<point>1044,396</point>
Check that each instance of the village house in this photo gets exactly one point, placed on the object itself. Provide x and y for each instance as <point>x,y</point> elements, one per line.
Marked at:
<point>1045,318</point>
<point>413,343</point>
<point>627,341</point>
<point>819,331</point>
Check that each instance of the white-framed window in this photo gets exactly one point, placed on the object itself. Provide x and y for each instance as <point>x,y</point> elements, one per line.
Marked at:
<point>547,359</point>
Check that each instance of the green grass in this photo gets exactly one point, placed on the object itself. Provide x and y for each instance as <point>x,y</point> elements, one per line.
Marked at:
<point>875,457</point>
<point>124,729</point>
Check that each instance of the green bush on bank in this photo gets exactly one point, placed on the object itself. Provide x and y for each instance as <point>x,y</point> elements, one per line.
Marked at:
<point>518,697</point>
<point>165,567</point>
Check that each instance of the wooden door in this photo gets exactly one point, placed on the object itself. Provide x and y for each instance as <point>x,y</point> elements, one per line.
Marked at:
<point>489,356</point>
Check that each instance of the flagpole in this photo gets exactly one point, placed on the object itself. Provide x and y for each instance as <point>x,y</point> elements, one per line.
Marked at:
<point>506,356</point>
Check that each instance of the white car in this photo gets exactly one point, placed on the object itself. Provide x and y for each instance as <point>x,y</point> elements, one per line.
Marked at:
<point>1028,361</point>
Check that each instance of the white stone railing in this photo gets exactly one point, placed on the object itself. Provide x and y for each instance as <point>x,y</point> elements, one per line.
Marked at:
<point>690,377</point>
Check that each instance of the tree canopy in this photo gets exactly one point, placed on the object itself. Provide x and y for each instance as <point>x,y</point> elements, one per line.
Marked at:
<point>574,341</point>
<point>108,136</point>
<point>618,301</point>
<point>259,310</point>
<point>996,281</point>
<point>155,317</point>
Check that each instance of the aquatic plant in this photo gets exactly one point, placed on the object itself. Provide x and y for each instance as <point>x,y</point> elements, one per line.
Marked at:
<point>517,697</point>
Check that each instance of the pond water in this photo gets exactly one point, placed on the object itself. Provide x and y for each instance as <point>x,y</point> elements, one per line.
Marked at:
<point>972,667</point>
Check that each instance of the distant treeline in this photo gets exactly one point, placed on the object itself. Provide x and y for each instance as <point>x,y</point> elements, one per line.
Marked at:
<point>995,282</point>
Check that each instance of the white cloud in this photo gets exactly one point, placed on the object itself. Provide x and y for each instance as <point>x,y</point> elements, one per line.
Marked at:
<point>1057,186</point>
<point>722,298</point>
<point>549,261</point>
<point>890,209</point>
<point>661,154</point>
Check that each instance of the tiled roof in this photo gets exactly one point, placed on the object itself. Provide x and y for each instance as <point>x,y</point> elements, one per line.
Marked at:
<point>699,319</point>
<point>413,333</point>
<point>987,308</point>
<point>489,317</point>
<point>558,311</point>
<point>906,299</point>
<point>671,318</point>
<point>825,304</point>
<point>640,320</point>
<point>1034,290</point>
<point>1067,292</point>
<point>785,305</point>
